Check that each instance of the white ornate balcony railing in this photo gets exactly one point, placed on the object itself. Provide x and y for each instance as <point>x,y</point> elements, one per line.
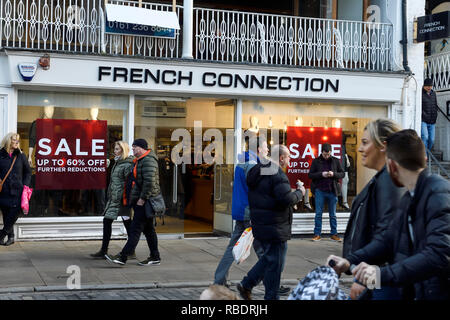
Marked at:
<point>437,67</point>
<point>76,26</point>
<point>284,40</point>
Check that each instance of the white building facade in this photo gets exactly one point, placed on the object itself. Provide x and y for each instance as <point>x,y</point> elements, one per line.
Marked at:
<point>224,69</point>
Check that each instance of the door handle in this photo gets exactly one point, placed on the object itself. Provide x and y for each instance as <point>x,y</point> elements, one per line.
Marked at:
<point>175,184</point>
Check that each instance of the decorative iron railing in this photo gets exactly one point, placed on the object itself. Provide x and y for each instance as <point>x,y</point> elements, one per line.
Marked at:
<point>77,26</point>
<point>437,67</point>
<point>286,40</point>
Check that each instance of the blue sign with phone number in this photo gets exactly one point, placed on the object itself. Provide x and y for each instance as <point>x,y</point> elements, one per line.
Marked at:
<point>138,30</point>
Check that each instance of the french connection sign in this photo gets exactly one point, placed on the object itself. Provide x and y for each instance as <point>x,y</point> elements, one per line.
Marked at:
<point>210,79</point>
<point>252,82</point>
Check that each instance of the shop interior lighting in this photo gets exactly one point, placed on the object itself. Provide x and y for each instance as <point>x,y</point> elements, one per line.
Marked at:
<point>171,99</point>
<point>337,123</point>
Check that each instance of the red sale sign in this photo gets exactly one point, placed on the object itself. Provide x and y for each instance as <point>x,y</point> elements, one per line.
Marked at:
<point>305,145</point>
<point>70,154</point>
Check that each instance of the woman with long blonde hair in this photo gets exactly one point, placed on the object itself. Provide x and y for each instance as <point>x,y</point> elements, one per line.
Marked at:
<point>15,173</point>
<point>374,206</point>
<point>122,166</point>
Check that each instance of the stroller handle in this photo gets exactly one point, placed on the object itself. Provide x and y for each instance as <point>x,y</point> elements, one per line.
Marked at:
<point>366,293</point>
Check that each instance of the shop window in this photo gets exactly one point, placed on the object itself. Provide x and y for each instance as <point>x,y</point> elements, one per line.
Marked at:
<point>33,105</point>
<point>280,116</point>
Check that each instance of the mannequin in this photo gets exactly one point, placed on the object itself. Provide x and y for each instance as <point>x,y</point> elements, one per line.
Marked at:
<point>94,113</point>
<point>254,124</point>
<point>48,114</point>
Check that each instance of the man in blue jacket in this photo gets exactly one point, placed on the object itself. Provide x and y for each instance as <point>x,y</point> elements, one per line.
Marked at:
<point>239,206</point>
<point>418,237</point>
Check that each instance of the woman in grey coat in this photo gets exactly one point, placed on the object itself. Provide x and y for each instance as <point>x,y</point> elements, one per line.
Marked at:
<point>122,167</point>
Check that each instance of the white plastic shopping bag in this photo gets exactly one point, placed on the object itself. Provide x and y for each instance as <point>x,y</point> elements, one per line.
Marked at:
<point>241,249</point>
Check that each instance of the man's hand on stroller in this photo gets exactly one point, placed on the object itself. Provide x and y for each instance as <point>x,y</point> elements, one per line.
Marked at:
<point>340,264</point>
<point>366,274</point>
<point>356,290</point>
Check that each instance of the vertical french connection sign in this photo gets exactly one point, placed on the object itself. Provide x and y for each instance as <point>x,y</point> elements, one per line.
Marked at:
<point>71,154</point>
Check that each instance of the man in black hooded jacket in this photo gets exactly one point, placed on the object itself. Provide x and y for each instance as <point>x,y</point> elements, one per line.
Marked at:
<point>417,240</point>
<point>429,113</point>
<point>271,202</point>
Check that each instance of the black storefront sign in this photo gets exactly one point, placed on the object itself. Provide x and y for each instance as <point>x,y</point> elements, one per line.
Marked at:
<point>432,27</point>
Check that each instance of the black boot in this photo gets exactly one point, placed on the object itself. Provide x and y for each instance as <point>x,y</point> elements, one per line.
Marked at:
<point>99,254</point>
<point>10,241</point>
<point>2,237</point>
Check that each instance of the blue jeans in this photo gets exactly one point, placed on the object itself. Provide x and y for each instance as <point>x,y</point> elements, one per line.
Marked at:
<point>386,293</point>
<point>321,196</point>
<point>269,268</point>
<point>220,277</point>
<point>141,224</point>
<point>428,134</point>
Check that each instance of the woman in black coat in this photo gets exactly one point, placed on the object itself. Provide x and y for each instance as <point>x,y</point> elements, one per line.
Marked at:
<point>373,207</point>
<point>11,194</point>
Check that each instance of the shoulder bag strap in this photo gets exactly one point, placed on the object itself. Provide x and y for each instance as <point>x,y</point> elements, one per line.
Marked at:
<point>9,171</point>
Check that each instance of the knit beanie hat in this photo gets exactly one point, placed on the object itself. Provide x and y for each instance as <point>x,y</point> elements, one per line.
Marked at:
<point>428,82</point>
<point>140,143</point>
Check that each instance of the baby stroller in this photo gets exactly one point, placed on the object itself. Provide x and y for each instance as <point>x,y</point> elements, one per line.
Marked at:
<point>322,284</point>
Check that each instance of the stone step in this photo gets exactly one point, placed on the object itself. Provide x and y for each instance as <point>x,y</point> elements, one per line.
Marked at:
<point>445,164</point>
<point>438,154</point>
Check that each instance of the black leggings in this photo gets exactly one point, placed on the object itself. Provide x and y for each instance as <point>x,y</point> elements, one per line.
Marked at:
<point>10,216</point>
<point>107,231</point>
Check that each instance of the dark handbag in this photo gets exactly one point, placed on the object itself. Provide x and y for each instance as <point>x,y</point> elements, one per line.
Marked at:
<point>155,207</point>
<point>158,205</point>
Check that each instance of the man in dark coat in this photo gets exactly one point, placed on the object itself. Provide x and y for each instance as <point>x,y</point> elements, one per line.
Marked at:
<point>325,173</point>
<point>429,113</point>
<point>418,237</point>
<point>271,202</point>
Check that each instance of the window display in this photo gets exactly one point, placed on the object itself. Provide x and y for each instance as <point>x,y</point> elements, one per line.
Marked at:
<point>60,109</point>
<point>350,119</point>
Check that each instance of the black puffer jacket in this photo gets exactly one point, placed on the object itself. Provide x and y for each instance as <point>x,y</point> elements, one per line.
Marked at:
<point>424,262</point>
<point>20,175</point>
<point>429,107</point>
<point>271,200</point>
<point>372,211</point>
<point>317,167</point>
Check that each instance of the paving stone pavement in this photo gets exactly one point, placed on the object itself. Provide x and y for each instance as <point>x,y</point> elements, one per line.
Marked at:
<point>123,294</point>
<point>189,293</point>
<point>39,270</point>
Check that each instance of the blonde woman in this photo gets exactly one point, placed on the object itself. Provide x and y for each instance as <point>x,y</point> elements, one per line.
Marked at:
<point>374,206</point>
<point>15,173</point>
<point>123,165</point>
